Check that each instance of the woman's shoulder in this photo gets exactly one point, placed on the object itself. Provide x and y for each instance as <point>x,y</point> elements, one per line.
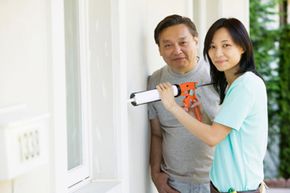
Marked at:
<point>251,77</point>
<point>251,81</point>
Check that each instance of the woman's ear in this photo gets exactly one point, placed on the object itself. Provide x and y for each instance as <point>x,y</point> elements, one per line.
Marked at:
<point>242,50</point>
<point>196,40</point>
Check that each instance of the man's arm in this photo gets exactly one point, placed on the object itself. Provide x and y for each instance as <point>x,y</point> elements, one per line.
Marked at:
<point>159,178</point>
<point>155,148</point>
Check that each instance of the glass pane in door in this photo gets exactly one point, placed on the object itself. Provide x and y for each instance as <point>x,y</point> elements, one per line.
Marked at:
<point>73,83</point>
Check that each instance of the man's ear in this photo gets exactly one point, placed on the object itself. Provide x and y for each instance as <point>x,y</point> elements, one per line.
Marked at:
<point>159,50</point>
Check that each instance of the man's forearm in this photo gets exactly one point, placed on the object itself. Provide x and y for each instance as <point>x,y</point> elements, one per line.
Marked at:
<point>155,154</point>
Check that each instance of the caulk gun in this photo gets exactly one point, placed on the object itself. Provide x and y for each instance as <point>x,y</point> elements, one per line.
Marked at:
<point>186,89</point>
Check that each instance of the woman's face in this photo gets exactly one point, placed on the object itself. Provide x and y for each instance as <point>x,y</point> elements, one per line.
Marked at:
<point>223,52</point>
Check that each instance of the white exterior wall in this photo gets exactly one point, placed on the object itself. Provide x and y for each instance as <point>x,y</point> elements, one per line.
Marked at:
<point>206,12</point>
<point>122,54</point>
<point>24,62</point>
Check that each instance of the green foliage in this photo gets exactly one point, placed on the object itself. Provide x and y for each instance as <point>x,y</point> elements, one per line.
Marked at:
<point>284,101</point>
<point>265,42</point>
<point>272,48</point>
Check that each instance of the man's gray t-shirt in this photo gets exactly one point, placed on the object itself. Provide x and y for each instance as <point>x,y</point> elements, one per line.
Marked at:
<point>185,157</point>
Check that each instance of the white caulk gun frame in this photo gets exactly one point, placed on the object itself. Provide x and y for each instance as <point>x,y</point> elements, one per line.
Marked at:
<point>144,97</point>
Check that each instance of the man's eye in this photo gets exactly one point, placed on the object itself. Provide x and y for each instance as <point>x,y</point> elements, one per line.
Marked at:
<point>167,45</point>
<point>226,45</point>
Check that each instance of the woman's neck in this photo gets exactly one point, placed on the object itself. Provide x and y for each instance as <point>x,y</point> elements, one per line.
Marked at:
<point>231,75</point>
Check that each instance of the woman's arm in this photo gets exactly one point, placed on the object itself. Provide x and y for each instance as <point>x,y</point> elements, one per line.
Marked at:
<point>209,134</point>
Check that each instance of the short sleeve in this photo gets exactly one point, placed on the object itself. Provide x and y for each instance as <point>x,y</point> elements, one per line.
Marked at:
<point>152,113</point>
<point>236,106</point>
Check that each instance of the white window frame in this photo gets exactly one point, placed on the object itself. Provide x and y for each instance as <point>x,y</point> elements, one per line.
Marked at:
<point>59,174</point>
<point>82,172</point>
<point>63,180</point>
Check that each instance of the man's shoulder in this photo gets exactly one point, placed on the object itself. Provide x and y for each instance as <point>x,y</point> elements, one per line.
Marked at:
<point>158,72</point>
<point>155,78</point>
<point>202,72</point>
<point>203,65</point>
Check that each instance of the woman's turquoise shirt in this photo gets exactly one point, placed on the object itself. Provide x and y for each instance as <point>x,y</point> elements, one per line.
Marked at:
<point>238,159</point>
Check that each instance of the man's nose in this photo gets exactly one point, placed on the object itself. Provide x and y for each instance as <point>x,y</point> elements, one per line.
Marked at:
<point>177,49</point>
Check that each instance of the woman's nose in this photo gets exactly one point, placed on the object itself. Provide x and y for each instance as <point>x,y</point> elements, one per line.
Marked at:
<point>218,52</point>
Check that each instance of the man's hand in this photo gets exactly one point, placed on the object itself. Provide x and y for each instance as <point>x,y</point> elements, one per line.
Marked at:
<point>161,182</point>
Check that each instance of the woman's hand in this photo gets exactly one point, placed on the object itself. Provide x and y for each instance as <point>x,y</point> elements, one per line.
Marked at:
<point>167,95</point>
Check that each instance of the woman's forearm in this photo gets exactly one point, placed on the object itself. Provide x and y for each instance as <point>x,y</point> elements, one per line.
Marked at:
<point>209,134</point>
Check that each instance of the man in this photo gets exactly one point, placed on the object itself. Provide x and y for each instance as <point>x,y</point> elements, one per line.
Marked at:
<point>179,161</point>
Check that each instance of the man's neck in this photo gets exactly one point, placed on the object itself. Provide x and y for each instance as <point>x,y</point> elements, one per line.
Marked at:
<point>184,70</point>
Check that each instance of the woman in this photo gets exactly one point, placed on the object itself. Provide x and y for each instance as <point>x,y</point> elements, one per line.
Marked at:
<point>240,128</point>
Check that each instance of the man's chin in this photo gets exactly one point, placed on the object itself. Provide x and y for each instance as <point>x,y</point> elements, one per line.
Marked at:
<point>181,65</point>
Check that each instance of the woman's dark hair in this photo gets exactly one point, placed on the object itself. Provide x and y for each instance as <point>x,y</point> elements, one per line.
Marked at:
<point>240,37</point>
<point>172,20</point>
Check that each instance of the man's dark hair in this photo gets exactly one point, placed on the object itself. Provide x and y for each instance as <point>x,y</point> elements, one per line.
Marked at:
<point>172,20</point>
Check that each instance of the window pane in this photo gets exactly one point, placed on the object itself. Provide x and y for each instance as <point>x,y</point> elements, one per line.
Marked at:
<point>73,90</point>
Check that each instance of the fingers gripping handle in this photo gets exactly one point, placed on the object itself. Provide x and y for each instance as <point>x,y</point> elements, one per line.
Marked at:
<point>197,113</point>
<point>188,101</point>
<point>144,97</point>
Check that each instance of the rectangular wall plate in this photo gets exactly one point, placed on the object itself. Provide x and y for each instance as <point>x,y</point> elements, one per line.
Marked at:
<point>23,143</point>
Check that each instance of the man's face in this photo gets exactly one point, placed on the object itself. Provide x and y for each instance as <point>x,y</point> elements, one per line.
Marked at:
<point>178,48</point>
